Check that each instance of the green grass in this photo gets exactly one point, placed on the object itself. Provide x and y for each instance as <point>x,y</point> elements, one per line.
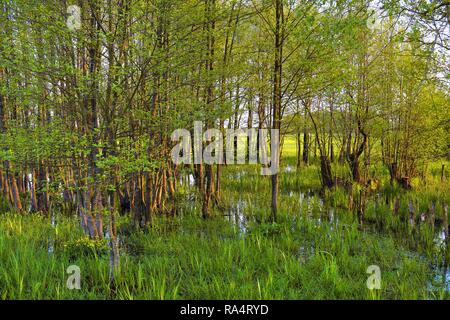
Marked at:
<point>196,259</point>
<point>306,254</point>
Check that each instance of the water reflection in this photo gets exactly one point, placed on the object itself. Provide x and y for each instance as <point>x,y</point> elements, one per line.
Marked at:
<point>236,215</point>
<point>441,238</point>
<point>51,241</point>
<point>188,180</point>
<point>441,280</point>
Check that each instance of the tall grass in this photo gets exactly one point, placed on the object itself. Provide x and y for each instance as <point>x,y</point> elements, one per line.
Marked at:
<point>316,250</point>
<point>199,259</point>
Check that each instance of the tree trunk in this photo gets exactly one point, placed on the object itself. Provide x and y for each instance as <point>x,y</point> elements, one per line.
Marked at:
<point>299,150</point>
<point>306,140</point>
<point>277,94</point>
<point>325,170</point>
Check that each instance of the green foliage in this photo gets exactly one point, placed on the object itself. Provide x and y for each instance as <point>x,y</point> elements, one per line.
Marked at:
<point>84,246</point>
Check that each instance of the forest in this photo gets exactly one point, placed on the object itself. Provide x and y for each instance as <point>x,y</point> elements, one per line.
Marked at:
<point>351,98</point>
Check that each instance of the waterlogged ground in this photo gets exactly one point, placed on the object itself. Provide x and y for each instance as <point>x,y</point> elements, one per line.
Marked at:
<point>317,249</point>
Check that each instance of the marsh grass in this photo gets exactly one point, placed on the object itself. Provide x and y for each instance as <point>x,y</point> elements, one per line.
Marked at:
<point>197,259</point>
<point>315,250</point>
